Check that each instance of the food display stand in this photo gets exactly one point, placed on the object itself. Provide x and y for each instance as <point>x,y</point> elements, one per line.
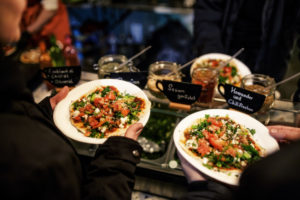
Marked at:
<point>160,172</point>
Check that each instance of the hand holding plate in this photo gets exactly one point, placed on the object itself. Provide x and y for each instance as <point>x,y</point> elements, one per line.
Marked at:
<point>134,131</point>
<point>59,96</point>
<point>284,133</point>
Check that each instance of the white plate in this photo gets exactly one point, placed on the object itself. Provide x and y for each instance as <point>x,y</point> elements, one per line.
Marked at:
<point>61,113</point>
<point>261,137</point>
<point>243,70</point>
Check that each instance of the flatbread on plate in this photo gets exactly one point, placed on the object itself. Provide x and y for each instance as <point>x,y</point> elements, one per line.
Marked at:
<point>62,115</point>
<point>105,111</point>
<point>216,152</point>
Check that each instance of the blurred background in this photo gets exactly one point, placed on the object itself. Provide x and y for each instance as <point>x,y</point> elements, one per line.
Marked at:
<point>102,27</point>
<point>126,27</point>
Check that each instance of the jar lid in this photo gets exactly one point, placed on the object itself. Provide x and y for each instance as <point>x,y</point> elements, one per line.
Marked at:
<point>163,68</point>
<point>112,58</point>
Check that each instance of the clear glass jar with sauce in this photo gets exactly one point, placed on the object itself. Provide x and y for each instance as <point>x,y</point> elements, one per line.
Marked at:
<point>261,84</point>
<point>208,78</point>
<point>110,64</point>
<point>162,70</point>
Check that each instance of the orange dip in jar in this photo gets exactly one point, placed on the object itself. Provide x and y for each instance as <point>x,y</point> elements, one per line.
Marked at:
<point>261,84</point>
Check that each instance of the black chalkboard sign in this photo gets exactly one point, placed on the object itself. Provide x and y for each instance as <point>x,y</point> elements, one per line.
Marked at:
<point>63,76</point>
<point>137,78</point>
<point>179,92</point>
<point>241,99</point>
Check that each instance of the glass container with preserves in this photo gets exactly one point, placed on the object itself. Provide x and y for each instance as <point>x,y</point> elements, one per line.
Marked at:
<point>261,84</point>
<point>208,78</point>
<point>162,70</point>
<point>110,64</point>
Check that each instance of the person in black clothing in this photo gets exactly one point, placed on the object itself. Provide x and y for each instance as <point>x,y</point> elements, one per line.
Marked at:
<point>265,28</point>
<point>274,177</point>
<point>37,161</point>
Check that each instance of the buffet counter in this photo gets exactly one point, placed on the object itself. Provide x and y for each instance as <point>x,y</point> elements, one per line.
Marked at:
<point>159,171</point>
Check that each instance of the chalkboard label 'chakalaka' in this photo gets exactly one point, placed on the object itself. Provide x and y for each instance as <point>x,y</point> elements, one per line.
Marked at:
<point>179,92</point>
<point>241,99</point>
<point>63,76</point>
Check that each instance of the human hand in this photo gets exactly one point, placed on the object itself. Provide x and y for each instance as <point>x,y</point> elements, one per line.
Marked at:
<point>59,96</point>
<point>284,133</point>
<point>190,172</point>
<point>134,131</point>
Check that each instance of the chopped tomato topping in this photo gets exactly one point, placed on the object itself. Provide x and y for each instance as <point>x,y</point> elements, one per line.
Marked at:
<point>244,140</point>
<point>111,95</point>
<point>93,122</point>
<point>77,118</point>
<point>117,106</point>
<point>205,133</point>
<point>214,63</point>
<point>113,88</point>
<point>87,134</point>
<point>231,151</point>
<point>125,112</point>
<point>227,70</point>
<point>215,122</point>
<point>215,142</point>
<point>203,147</point>
<point>89,108</point>
<point>98,101</point>
<point>140,102</point>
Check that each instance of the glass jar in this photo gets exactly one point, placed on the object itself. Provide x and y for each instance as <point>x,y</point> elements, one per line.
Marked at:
<point>208,78</point>
<point>110,63</point>
<point>162,70</point>
<point>261,84</point>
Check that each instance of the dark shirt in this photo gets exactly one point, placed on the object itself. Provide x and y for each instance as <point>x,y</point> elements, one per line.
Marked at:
<point>223,26</point>
<point>248,27</point>
<point>275,177</point>
<point>38,162</point>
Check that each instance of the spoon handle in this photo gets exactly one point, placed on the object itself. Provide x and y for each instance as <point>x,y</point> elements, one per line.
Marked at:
<point>133,57</point>
<point>283,81</point>
<point>230,59</point>
<point>183,66</point>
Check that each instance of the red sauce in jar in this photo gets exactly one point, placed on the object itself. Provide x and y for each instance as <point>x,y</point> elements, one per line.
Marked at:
<point>208,78</point>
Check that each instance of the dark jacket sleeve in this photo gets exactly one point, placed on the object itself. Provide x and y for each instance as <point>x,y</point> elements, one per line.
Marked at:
<point>208,15</point>
<point>46,108</point>
<point>111,173</point>
<point>274,177</point>
<point>207,190</point>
